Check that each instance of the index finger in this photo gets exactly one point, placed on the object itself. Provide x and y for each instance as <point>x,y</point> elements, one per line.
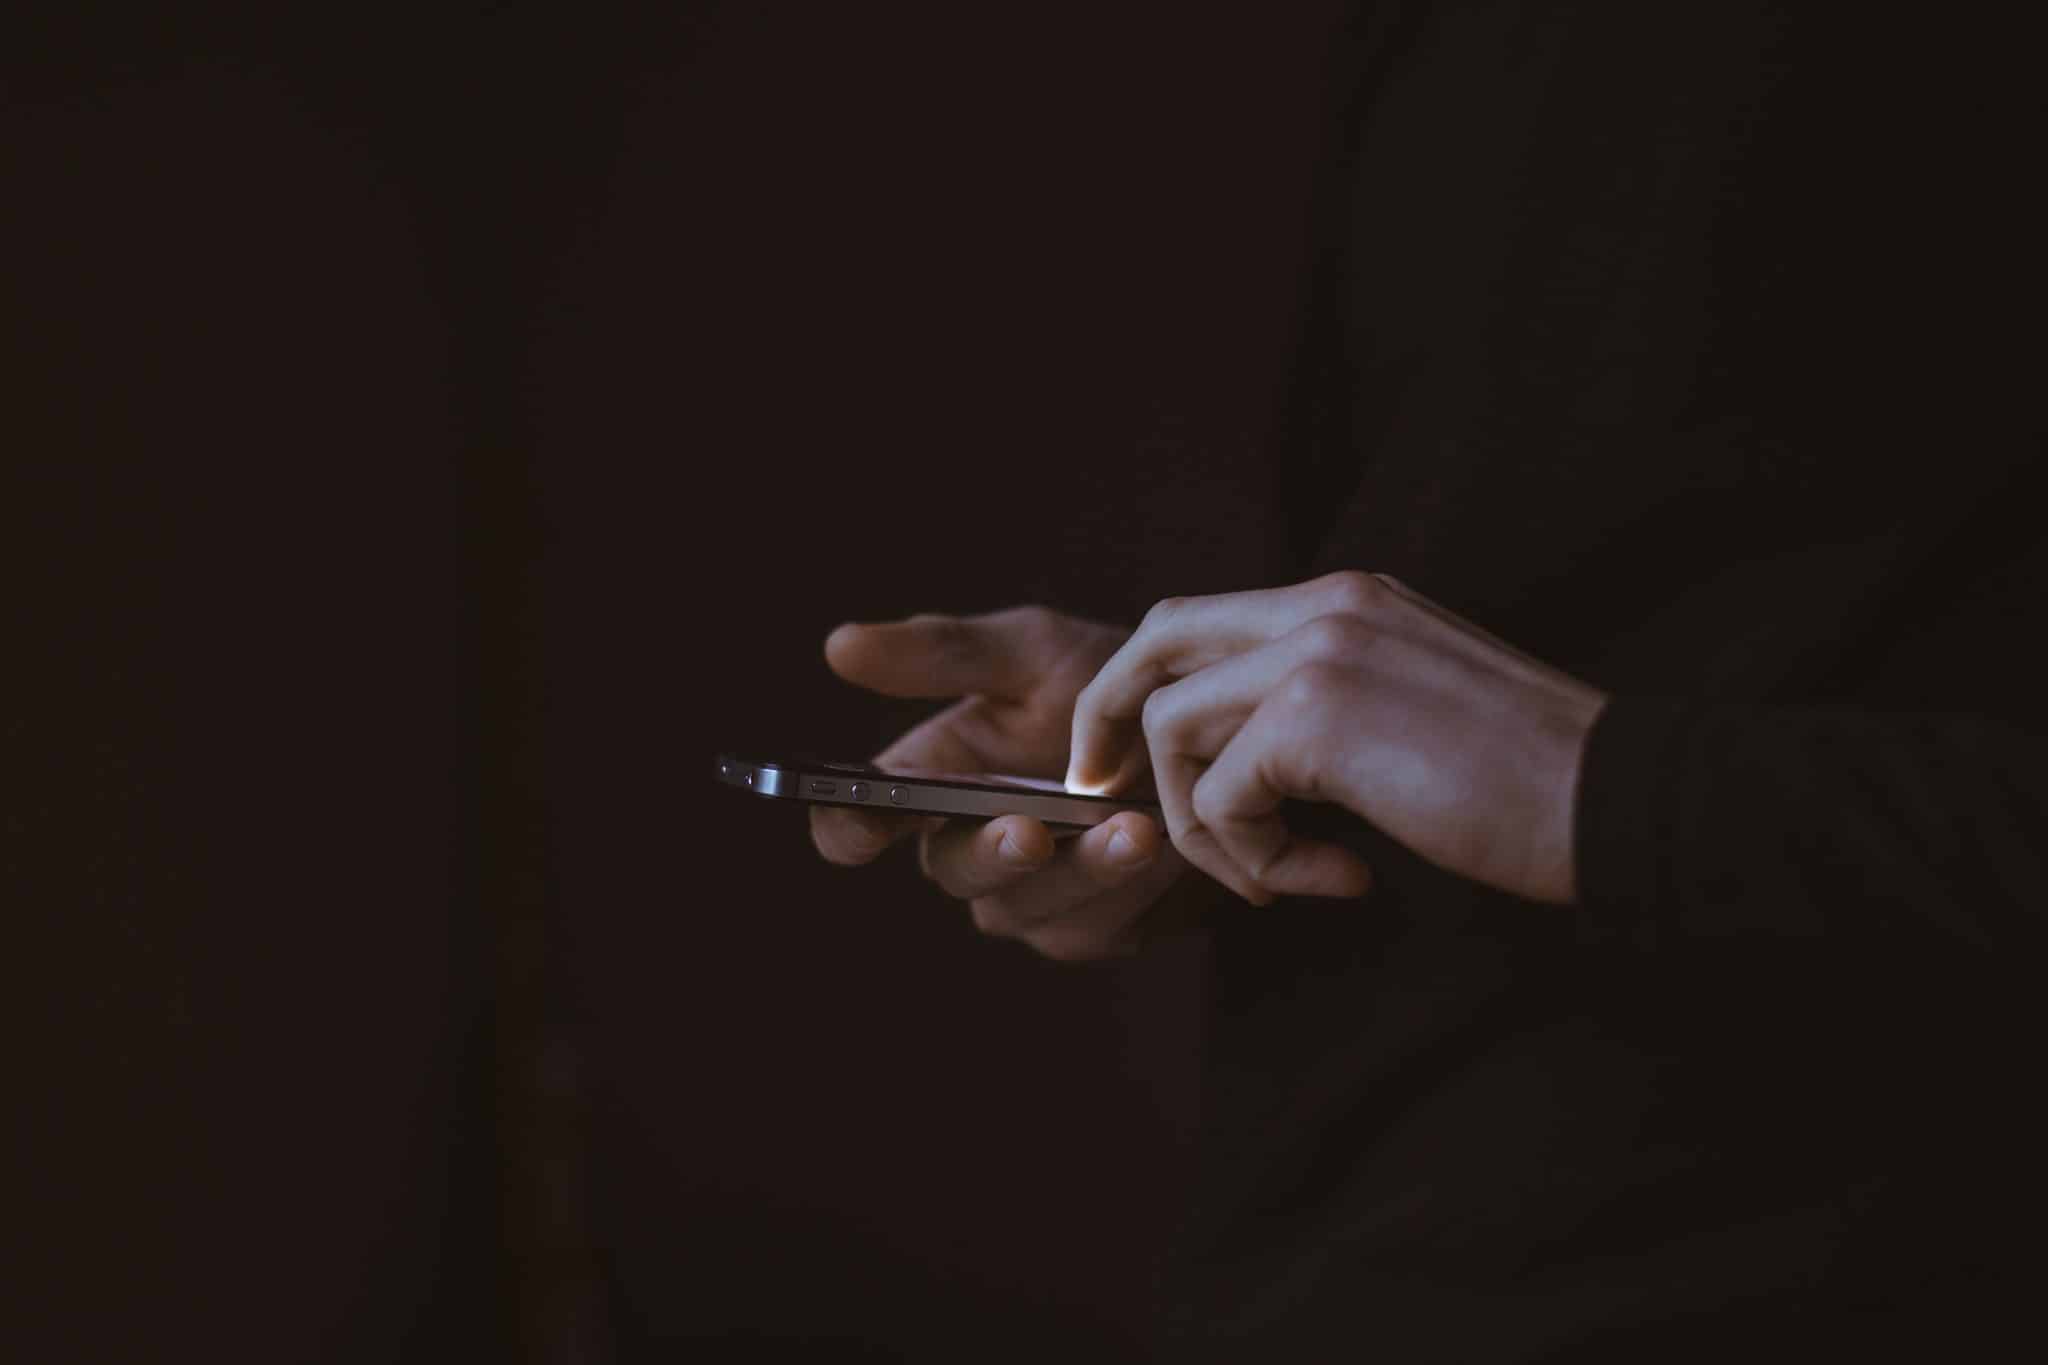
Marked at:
<point>1181,636</point>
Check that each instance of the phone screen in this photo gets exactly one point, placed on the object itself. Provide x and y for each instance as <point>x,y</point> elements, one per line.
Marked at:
<point>1037,784</point>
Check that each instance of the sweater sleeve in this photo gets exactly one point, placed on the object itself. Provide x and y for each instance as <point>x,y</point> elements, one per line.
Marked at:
<point>1712,820</point>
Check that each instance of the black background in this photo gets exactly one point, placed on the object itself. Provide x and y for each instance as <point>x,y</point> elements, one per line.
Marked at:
<point>425,443</point>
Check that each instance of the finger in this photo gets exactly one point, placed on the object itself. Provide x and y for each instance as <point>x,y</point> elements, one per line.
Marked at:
<point>1191,721</point>
<point>1198,715</point>
<point>1238,801</point>
<point>1176,775</point>
<point>1104,860</point>
<point>996,655</point>
<point>850,835</point>
<point>1179,637</point>
<point>1120,921</point>
<point>967,859</point>
<point>853,837</point>
<point>1199,846</point>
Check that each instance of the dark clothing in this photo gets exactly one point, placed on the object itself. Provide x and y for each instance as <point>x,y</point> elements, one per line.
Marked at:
<point>1691,348</point>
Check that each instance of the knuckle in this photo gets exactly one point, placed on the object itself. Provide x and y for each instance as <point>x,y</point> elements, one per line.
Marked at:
<point>1312,685</point>
<point>1157,714</point>
<point>1163,611</point>
<point>1354,591</point>
<point>1335,634</point>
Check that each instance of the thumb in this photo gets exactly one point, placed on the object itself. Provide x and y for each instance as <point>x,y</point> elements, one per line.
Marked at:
<point>998,655</point>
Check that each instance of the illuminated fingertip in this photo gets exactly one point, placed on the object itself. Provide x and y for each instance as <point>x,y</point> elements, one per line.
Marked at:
<point>838,641</point>
<point>1079,786</point>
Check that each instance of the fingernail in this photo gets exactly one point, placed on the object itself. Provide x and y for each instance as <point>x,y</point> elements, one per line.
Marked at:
<point>1122,848</point>
<point>1084,786</point>
<point>1014,852</point>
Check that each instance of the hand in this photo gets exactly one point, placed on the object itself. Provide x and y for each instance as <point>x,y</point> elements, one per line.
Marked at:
<point>1348,689</point>
<point>1018,672</point>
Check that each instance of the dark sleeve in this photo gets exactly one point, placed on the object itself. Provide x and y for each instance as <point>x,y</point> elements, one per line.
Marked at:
<point>1707,820</point>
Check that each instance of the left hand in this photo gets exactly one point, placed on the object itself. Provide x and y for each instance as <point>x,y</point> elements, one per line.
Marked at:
<point>1349,689</point>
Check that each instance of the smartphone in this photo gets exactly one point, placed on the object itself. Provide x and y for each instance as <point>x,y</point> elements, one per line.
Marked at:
<point>917,791</point>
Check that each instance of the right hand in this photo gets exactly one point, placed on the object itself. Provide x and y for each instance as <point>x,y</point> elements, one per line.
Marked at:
<point>1017,674</point>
